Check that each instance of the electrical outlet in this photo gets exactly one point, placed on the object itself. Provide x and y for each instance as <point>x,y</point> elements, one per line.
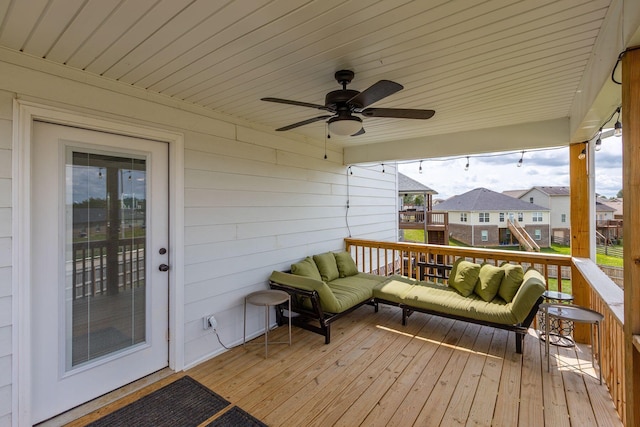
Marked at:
<point>209,322</point>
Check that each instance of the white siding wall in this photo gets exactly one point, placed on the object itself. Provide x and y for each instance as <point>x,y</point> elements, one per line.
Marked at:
<point>254,201</point>
<point>560,205</point>
<point>5,258</point>
<point>539,198</point>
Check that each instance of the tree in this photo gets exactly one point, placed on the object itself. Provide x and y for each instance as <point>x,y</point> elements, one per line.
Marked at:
<point>619,195</point>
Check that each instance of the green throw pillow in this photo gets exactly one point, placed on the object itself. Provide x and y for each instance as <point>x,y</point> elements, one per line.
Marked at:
<point>327,266</point>
<point>463,277</point>
<point>489,281</point>
<point>513,275</point>
<point>306,268</point>
<point>346,265</point>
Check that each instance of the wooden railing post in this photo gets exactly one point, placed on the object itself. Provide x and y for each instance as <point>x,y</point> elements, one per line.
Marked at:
<point>631,230</point>
<point>580,230</point>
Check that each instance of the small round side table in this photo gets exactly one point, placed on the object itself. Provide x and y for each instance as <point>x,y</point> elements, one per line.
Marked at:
<point>560,332</point>
<point>267,298</point>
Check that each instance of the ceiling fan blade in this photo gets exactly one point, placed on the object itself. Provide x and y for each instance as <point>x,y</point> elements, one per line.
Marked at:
<point>298,103</point>
<point>375,93</point>
<point>304,122</point>
<point>398,113</point>
<point>360,132</point>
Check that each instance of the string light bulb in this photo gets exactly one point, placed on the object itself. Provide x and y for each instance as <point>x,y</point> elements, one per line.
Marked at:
<point>521,159</point>
<point>583,154</point>
<point>617,128</point>
<point>598,146</point>
<point>382,167</point>
<point>420,168</point>
<point>466,167</point>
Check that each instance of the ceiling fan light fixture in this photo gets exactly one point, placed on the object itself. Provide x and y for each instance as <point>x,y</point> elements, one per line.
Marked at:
<point>345,125</point>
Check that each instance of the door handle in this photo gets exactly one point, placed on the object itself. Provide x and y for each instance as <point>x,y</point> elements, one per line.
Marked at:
<point>163,267</point>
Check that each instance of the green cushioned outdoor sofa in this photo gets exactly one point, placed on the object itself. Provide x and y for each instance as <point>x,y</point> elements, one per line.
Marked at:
<point>325,287</point>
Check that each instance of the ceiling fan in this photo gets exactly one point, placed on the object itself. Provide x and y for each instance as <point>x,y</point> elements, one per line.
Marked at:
<point>343,103</point>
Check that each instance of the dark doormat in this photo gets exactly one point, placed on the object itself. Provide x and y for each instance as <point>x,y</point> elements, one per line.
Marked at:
<point>184,402</point>
<point>236,417</point>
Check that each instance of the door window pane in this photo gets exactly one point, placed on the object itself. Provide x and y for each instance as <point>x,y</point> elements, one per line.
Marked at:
<point>105,294</point>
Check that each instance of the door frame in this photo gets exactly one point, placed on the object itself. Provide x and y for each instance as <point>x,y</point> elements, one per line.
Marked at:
<point>24,114</point>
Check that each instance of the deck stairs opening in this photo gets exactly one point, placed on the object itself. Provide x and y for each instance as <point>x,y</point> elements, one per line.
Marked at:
<point>522,236</point>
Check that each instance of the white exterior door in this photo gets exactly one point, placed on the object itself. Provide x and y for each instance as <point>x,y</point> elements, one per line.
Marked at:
<point>99,237</point>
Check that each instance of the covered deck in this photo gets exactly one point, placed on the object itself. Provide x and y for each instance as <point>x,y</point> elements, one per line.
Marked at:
<point>433,371</point>
<point>376,372</point>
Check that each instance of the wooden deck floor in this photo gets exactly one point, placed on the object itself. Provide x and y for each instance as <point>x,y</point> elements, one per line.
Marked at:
<point>433,372</point>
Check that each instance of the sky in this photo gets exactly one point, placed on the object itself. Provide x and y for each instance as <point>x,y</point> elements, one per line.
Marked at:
<point>500,172</point>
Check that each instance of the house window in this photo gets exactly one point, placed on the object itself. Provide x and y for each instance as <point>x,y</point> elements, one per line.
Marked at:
<point>501,216</point>
<point>484,235</point>
<point>563,218</point>
<point>463,217</point>
<point>483,217</point>
<point>537,217</point>
<point>520,216</point>
<point>537,234</point>
<point>530,199</point>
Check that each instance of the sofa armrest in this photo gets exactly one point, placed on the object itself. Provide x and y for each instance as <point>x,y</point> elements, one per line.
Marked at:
<point>328,301</point>
<point>532,288</point>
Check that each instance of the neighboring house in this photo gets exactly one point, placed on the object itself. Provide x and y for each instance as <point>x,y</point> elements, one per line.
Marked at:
<point>515,193</point>
<point>420,217</point>
<point>609,220</point>
<point>615,203</point>
<point>557,200</point>
<point>480,218</point>
<point>411,187</point>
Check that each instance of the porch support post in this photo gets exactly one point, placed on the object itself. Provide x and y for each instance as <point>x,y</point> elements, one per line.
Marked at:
<point>580,230</point>
<point>631,229</point>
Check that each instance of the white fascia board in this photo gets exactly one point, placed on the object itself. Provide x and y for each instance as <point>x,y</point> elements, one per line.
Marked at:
<point>524,136</point>
<point>597,96</point>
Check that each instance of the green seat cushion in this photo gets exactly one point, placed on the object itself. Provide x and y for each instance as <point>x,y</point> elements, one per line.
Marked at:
<point>306,268</point>
<point>346,265</point>
<point>513,276</point>
<point>394,289</point>
<point>360,280</point>
<point>446,300</point>
<point>463,276</point>
<point>349,296</point>
<point>489,280</point>
<point>327,266</point>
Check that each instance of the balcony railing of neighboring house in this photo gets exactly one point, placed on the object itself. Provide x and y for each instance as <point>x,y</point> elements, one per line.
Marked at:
<point>416,218</point>
<point>387,258</point>
<point>89,269</point>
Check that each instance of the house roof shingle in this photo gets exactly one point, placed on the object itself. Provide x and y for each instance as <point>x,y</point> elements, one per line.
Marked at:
<point>407,185</point>
<point>482,199</point>
<point>554,190</point>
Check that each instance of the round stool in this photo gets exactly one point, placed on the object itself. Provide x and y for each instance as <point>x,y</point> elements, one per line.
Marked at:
<point>575,313</point>
<point>267,298</point>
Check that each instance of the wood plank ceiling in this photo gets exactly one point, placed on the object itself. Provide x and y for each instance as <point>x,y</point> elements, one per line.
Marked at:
<point>478,63</point>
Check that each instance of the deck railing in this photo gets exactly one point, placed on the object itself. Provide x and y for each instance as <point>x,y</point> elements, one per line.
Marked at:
<point>386,258</point>
<point>608,299</point>
<point>89,269</point>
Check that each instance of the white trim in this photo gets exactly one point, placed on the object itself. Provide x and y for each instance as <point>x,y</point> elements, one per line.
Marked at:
<point>23,116</point>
